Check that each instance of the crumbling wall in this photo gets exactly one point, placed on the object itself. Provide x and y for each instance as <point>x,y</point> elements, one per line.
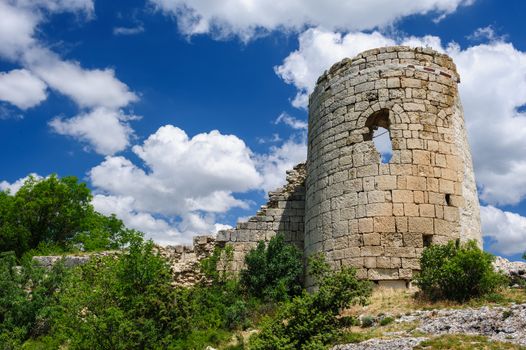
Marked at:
<point>185,260</point>
<point>284,213</point>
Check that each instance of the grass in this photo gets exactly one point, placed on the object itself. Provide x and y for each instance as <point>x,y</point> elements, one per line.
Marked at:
<point>403,301</point>
<point>465,342</point>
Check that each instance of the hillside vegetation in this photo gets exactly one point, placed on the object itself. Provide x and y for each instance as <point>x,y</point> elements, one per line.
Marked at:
<point>127,300</point>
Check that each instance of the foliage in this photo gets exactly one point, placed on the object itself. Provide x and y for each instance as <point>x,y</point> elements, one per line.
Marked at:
<point>367,321</point>
<point>465,342</point>
<point>56,213</point>
<point>310,321</point>
<point>457,272</point>
<point>127,301</point>
<point>26,294</point>
<point>216,266</point>
<point>386,320</point>
<point>273,272</point>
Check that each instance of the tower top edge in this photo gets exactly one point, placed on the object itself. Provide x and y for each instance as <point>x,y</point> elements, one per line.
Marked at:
<point>423,56</point>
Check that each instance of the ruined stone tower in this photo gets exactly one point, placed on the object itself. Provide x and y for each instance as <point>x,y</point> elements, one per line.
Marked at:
<point>379,216</point>
<point>362,212</point>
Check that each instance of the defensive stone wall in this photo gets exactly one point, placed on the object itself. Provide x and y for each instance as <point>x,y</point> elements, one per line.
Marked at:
<point>348,203</point>
<point>284,213</point>
<point>379,216</point>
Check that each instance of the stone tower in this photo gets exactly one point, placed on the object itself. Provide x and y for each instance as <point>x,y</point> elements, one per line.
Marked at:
<point>379,216</point>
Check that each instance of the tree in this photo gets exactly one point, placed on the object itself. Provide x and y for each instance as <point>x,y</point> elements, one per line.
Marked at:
<point>273,272</point>
<point>56,212</point>
<point>457,272</point>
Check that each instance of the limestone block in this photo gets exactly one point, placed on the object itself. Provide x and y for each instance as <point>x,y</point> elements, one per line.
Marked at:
<point>384,224</point>
<point>413,264</point>
<point>379,209</point>
<point>372,251</point>
<point>365,225</point>
<point>383,274</point>
<point>370,262</point>
<point>413,240</point>
<point>427,210</point>
<point>421,225</point>
<point>402,196</point>
<point>406,274</point>
<point>371,239</point>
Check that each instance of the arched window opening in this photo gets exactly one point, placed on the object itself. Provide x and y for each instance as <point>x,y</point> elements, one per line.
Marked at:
<point>378,125</point>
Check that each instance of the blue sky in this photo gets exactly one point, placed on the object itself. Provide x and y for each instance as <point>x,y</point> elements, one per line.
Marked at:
<point>181,114</point>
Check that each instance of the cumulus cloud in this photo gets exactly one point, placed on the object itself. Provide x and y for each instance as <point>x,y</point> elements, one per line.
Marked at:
<point>192,179</point>
<point>128,30</point>
<point>279,159</point>
<point>506,230</point>
<point>106,130</point>
<point>320,48</point>
<point>15,186</point>
<point>492,89</point>
<point>97,90</point>
<point>248,19</point>
<point>289,120</point>
<point>487,33</point>
<point>87,87</point>
<point>21,88</point>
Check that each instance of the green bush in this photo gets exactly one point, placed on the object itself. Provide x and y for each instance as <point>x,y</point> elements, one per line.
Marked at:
<point>56,215</point>
<point>27,293</point>
<point>310,321</point>
<point>457,272</point>
<point>367,321</point>
<point>386,320</point>
<point>273,272</point>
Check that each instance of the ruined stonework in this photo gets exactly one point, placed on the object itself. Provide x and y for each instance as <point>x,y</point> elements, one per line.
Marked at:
<point>284,213</point>
<point>347,203</point>
<point>378,216</point>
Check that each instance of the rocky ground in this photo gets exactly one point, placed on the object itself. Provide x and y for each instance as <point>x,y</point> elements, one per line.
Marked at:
<point>504,324</point>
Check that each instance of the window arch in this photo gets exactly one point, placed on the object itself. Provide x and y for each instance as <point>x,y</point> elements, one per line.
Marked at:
<point>378,125</point>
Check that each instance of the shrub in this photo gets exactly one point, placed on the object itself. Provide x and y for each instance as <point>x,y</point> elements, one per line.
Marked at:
<point>56,214</point>
<point>26,294</point>
<point>273,272</point>
<point>310,321</point>
<point>386,320</point>
<point>457,272</point>
<point>367,321</point>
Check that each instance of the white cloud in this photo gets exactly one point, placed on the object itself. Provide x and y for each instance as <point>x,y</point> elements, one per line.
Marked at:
<point>97,90</point>
<point>273,166</point>
<point>15,186</point>
<point>289,120</point>
<point>21,88</point>
<point>124,207</point>
<point>246,19</point>
<point>128,30</point>
<point>16,29</point>
<point>493,86</point>
<point>318,50</point>
<point>88,88</point>
<point>106,130</point>
<point>486,34</point>
<point>506,230</point>
<point>191,179</point>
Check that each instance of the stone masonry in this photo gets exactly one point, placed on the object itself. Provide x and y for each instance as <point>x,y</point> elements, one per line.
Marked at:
<point>284,213</point>
<point>348,204</point>
<point>345,202</point>
<point>378,216</point>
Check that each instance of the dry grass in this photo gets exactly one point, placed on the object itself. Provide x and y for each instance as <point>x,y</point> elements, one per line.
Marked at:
<point>465,342</point>
<point>402,301</point>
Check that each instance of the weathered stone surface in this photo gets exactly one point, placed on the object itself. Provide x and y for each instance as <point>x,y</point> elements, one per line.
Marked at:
<point>345,201</point>
<point>426,189</point>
